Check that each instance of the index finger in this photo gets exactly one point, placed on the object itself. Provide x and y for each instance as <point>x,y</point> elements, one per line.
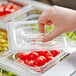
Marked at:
<point>43,19</point>
<point>41,27</point>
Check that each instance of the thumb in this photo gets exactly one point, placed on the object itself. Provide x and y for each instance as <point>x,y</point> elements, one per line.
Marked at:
<point>56,32</point>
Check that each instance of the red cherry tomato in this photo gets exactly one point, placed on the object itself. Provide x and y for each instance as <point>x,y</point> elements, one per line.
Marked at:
<point>11,8</point>
<point>7,9</point>
<point>48,55</point>
<point>33,55</point>
<point>48,58</point>
<point>30,63</point>
<point>2,10</point>
<point>24,56</point>
<point>42,52</point>
<point>41,60</point>
<point>54,52</point>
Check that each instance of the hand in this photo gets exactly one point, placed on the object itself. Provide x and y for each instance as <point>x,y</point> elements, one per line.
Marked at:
<point>64,20</point>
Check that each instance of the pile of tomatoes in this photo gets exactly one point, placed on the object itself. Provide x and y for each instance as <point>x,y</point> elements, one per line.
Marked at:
<point>7,9</point>
<point>37,58</point>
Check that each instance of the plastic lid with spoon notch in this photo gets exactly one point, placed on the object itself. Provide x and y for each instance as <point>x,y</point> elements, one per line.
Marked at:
<point>24,36</point>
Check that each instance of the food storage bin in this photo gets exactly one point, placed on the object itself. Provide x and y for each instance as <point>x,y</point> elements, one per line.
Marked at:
<point>9,7</point>
<point>36,67</point>
<point>24,39</point>
<point>71,38</point>
<point>30,10</point>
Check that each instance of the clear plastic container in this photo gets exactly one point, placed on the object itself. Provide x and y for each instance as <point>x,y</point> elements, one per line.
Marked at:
<point>24,39</point>
<point>15,58</point>
<point>29,12</point>
<point>22,14</point>
<point>9,3</point>
<point>71,38</point>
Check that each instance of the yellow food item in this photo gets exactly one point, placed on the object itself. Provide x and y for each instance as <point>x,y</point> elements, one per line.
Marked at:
<point>3,40</point>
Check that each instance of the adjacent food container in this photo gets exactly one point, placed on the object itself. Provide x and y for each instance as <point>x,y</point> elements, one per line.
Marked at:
<point>71,38</point>
<point>25,40</point>
<point>8,9</point>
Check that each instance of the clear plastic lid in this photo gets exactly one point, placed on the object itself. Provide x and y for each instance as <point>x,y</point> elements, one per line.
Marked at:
<point>23,35</point>
<point>30,14</point>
